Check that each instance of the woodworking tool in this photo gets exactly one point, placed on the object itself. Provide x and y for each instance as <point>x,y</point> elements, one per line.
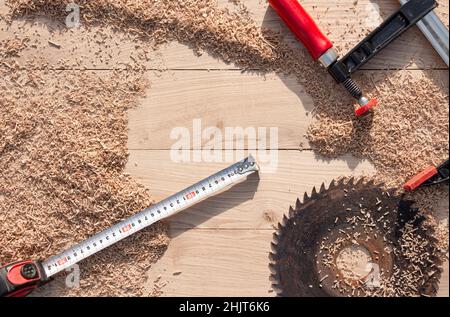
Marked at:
<point>321,48</point>
<point>432,175</point>
<point>20,278</point>
<point>350,214</point>
<point>435,31</point>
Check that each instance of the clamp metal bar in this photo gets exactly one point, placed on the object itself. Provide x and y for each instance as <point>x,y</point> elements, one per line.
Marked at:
<point>436,33</point>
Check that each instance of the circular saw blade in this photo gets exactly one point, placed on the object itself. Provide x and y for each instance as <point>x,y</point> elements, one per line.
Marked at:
<point>354,239</point>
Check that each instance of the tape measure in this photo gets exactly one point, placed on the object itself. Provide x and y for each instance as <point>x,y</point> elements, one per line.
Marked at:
<point>20,278</point>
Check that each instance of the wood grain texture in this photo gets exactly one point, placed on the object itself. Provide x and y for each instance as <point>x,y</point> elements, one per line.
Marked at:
<point>215,263</point>
<point>443,285</point>
<point>221,99</point>
<point>221,246</point>
<point>205,262</point>
<point>258,203</point>
<point>345,22</point>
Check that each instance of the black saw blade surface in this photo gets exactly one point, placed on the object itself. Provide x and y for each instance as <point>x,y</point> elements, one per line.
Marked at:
<point>353,215</point>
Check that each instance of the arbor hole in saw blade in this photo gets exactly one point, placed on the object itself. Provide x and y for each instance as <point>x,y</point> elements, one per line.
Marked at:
<point>354,262</point>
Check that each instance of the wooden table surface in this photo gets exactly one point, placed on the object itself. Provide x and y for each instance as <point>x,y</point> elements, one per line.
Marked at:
<point>221,246</point>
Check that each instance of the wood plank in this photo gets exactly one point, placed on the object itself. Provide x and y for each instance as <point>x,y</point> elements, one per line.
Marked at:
<point>341,20</point>
<point>443,285</point>
<point>258,203</point>
<point>442,217</point>
<point>230,99</point>
<point>215,263</point>
<point>220,99</point>
<point>221,263</point>
<point>227,252</point>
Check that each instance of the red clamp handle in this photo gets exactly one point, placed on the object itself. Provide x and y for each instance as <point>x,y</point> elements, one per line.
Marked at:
<point>420,178</point>
<point>303,26</point>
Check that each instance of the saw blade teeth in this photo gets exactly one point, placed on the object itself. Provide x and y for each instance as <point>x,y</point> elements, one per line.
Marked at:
<point>277,289</point>
<point>275,286</point>
<point>359,181</point>
<point>272,267</point>
<point>273,254</point>
<point>285,265</point>
<point>274,283</point>
<point>274,276</point>
<point>305,198</point>
<point>275,237</point>
<point>298,204</point>
<point>292,211</point>
<point>351,182</point>
<point>332,184</point>
<point>322,188</point>
<point>314,192</point>
<point>284,220</point>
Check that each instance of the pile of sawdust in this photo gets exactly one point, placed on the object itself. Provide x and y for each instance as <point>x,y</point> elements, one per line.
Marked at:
<point>409,130</point>
<point>353,262</point>
<point>230,35</point>
<point>63,151</point>
<point>355,239</point>
<point>408,242</point>
<point>12,47</point>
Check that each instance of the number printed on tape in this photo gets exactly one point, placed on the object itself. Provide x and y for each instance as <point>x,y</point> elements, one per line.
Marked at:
<point>190,195</point>
<point>126,228</point>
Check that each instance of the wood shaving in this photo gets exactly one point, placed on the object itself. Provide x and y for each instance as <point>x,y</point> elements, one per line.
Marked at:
<point>407,132</point>
<point>63,142</point>
<point>417,256</point>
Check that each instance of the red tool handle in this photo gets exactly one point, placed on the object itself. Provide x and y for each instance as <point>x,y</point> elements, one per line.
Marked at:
<point>420,178</point>
<point>20,278</point>
<point>303,26</point>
